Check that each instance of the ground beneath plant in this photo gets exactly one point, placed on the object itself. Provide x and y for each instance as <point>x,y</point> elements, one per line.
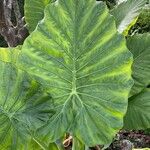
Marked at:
<point>125,140</point>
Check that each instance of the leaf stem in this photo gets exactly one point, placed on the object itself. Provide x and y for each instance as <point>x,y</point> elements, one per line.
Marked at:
<point>77,144</point>
<point>60,145</point>
<point>40,144</point>
<point>86,148</point>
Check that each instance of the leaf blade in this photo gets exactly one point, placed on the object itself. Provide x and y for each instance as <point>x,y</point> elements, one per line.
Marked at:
<point>140,47</point>
<point>22,108</point>
<point>126,12</point>
<point>138,115</point>
<point>34,12</point>
<point>71,59</point>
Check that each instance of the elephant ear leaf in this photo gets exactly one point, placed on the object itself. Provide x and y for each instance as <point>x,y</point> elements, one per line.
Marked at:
<point>77,53</point>
<point>138,114</point>
<point>24,107</point>
<point>34,12</point>
<point>126,12</point>
<point>139,45</point>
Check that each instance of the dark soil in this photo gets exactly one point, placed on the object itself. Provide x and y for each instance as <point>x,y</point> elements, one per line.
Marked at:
<point>126,140</point>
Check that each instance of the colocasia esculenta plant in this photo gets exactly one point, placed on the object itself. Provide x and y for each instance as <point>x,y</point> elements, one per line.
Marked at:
<point>77,74</point>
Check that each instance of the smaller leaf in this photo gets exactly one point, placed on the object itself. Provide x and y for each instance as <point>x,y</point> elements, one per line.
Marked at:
<point>138,114</point>
<point>126,12</point>
<point>126,31</point>
<point>24,106</point>
<point>139,45</point>
<point>34,12</point>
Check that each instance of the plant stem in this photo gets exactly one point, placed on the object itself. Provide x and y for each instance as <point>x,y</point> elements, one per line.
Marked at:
<point>87,148</point>
<point>77,144</point>
<point>60,145</point>
<point>40,144</point>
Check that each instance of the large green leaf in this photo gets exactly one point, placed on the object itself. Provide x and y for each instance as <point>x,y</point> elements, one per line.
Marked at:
<point>77,53</point>
<point>34,12</point>
<point>138,114</point>
<point>126,12</point>
<point>24,107</point>
<point>139,45</point>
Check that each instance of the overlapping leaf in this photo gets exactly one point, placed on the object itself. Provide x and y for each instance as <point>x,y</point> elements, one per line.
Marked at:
<point>126,12</point>
<point>138,114</point>
<point>120,1</point>
<point>139,45</point>
<point>78,55</point>
<point>34,12</point>
<point>24,107</point>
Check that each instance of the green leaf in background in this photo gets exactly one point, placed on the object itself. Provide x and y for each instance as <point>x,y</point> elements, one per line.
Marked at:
<point>139,45</point>
<point>126,12</point>
<point>138,113</point>
<point>24,107</point>
<point>143,23</point>
<point>34,12</point>
<point>77,53</point>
